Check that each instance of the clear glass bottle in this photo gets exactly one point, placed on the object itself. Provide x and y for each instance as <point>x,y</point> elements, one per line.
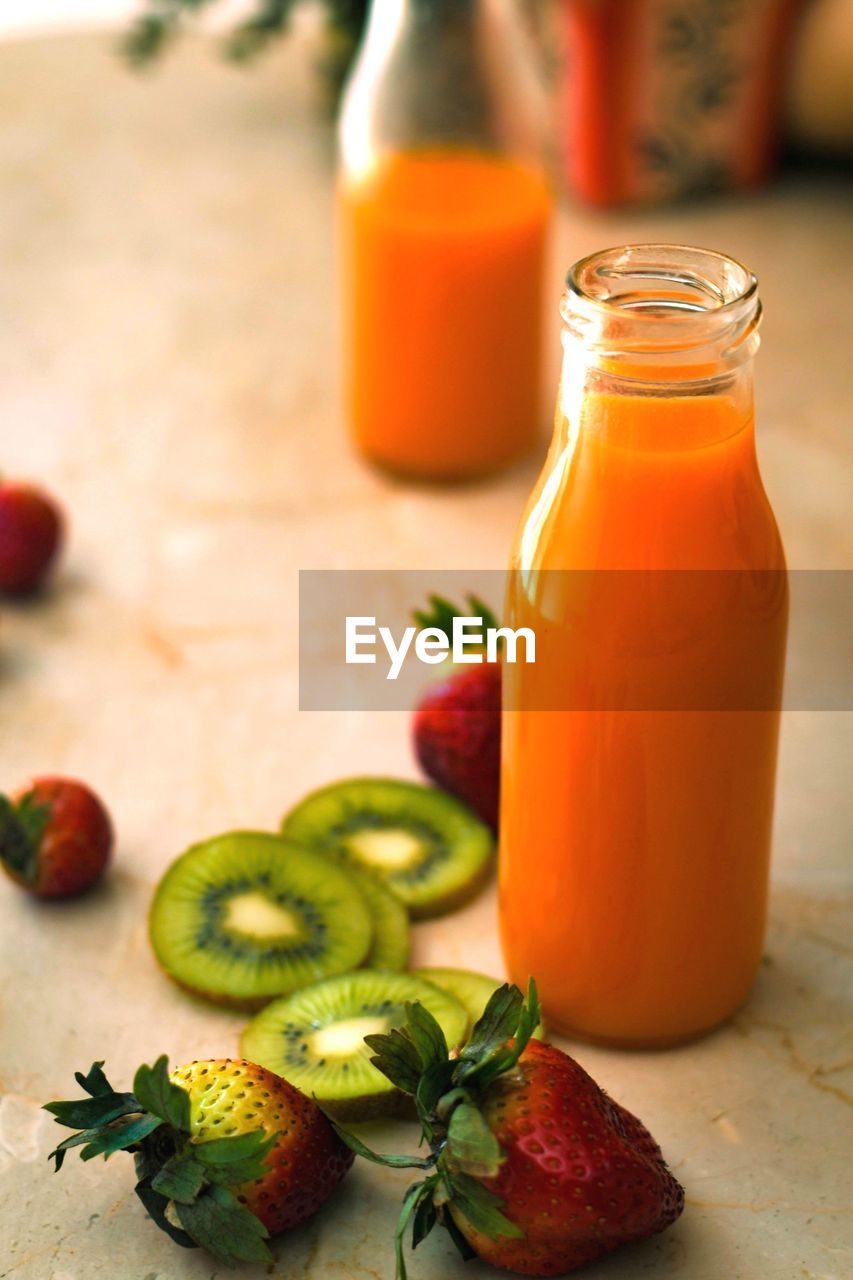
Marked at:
<point>639,752</point>
<point>444,208</point>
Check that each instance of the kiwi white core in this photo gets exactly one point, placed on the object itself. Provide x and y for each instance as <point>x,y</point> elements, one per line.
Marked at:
<point>343,1039</point>
<point>256,917</point>
<point>389,848</point>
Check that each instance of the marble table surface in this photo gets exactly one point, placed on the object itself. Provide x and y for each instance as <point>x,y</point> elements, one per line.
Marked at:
<point>168,367</point>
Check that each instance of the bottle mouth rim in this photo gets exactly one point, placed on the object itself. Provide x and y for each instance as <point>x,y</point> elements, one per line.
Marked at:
<point>645,299</point>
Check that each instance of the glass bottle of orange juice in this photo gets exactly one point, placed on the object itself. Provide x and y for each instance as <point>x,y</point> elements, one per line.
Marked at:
<point>639,750</point>
<point>443,213</point>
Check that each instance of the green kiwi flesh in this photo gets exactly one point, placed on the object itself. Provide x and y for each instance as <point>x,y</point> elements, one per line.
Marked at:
<point>391,930</point>
<point>247,916</point>
<point>315,1038</point>
<point>425,845</point>
<point>472,990</point>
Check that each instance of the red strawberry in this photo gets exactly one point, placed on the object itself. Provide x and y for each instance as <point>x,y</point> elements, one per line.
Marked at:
<point>457,724</point>
<point>226,1152</point>
<point>31,529</point>
<point>533,1167</point>
<point>56,837</point>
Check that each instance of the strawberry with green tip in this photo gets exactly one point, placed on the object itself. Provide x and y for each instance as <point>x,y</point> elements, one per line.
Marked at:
<point>532,1167</point>
<point>56,837</point>
<point>457,724</point>
<point>226,1152</point>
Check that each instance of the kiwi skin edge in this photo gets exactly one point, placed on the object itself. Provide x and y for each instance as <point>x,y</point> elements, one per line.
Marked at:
<point>459,898</point>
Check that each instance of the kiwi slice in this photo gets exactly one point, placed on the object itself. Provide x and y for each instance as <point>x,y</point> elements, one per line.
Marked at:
<point>315,1038</point>
<point>472,990</point>
<point>424,844</point>
<point>391,932</point>
<point>247,916</point>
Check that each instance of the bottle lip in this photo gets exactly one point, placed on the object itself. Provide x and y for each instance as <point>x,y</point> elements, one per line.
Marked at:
<point>645,300</point>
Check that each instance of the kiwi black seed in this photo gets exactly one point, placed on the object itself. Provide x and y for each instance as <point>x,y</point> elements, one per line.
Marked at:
<point>391,930</point>
<point>248,916</point>
<point>472,990</point>
<point>315,1038</point>
<point>424,844</point>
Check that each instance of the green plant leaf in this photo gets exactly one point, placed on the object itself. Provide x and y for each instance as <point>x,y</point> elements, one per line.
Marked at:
<point>500,1056</point>
<point>234,1160</point>
<point>471,1146</point>
<point>391,1162</point>
<point>253,35</point>
<point>105,1140</point>
<point>395,1055</point>
<point>465,1249</point>
<point>441,613</point>
<point>22,826</point>
<point>497,1023</point>
<point>121,1135</point>
<point>425,1215</point>
<point>414,1197</point>
<point>479,1206</point>
<point>181,1178</point>
<point>157,1094</point>
<point>219,1223</point>
<point>156,1206</point>
<point>95,1083</point>
<point>90,1113</point>
<point>426,1035</point>
<point>432,1085</point>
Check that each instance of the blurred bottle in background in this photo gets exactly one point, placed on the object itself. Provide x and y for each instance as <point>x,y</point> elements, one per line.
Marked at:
<point>444,209</point>
<point>663,98</point>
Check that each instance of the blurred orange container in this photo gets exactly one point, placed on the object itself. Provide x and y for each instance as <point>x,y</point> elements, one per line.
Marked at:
<point>444,208</point>
<point>663,98</point>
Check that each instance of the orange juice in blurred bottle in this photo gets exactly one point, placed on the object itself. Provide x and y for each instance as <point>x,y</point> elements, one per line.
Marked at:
<point>443,258</point>
<point>443,215</point>
<point>639,751</point>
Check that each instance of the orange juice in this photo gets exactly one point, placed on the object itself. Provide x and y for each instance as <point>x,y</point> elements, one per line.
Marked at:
<point>635,839</point>
<point>443,258</point>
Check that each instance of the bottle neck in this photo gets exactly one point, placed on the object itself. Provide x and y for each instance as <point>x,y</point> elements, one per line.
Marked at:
<point>442,73</point>
<point>659,344</point>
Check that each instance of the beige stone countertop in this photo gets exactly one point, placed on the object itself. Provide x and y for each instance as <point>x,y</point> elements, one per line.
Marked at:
<point>168,366</point>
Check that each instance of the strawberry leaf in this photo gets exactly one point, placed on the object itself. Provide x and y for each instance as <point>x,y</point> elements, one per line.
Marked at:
<point>157,1094</point>
<point>396,1056</point>
<point>156,1206</point>
<point>471,1146</point>
<point>433,1084</point>
<point>219,1223</point>
<point>499,1037</point>
<point>22,826</point>
<point>181,1178</point>
<point>441,613</point>
<point>90,1113</point>
<point>234,1160</point>
<point>479,1206</point>
<point>497,1023</point>
<point>95,1083</point>
<point>120,1136</point>
<point>391,1162</point>
<point>457,1237</point>
<point>426,1035</point>
<point>425,1215</point>
<point>416,1195</point>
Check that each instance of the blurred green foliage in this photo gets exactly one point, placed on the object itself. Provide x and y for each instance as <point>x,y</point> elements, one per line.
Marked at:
<point>162,20</point>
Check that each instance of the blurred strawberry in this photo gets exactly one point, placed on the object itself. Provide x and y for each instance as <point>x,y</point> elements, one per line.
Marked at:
<point>31,530</point>
<point>56,837</point>
<point>457,724</point>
